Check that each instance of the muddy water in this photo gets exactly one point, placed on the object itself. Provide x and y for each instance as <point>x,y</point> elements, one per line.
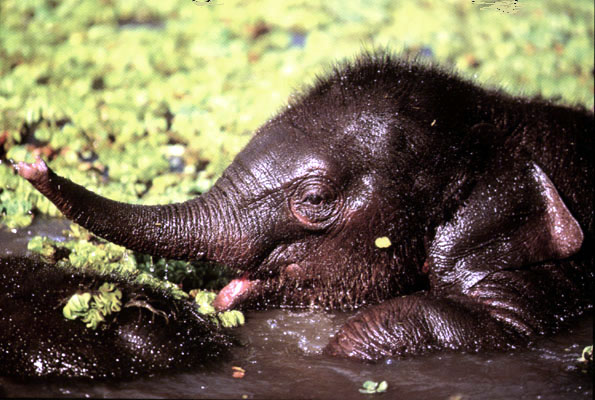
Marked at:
<point>14,242</point>
<point>281,357</point>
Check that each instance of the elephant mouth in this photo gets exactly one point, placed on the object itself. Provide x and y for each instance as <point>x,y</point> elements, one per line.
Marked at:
<point>240,289</point>
<point>235,292</point>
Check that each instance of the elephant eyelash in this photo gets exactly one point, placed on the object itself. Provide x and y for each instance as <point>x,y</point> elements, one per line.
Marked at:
<point>313,199</point>
<point>315,202</point>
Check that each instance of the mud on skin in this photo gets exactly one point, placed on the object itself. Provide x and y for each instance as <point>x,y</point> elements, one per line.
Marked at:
<point>486,199</point>
<point>153,331</point>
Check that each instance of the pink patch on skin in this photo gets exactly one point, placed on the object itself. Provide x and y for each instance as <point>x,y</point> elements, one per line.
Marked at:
<point>34,171</point>
<point>233,293</point>
<point>294,271</point>
<point>426,267</point>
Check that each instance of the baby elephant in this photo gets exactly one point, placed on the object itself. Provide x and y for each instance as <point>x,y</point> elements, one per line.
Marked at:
<point>455,217</point>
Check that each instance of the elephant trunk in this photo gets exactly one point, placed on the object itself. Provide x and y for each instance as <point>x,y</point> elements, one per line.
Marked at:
<point>191,230</point>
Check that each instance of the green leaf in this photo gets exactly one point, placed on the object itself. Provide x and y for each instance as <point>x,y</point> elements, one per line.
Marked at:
<point>116,304</point>
<point>587,354</point>
<point>93,318</point>
<point>206,309</point>
<point>93,308</point>
<point>382,242</point>
<point>231,318</point>
<point>42,246</point>
<point>204,300</point>
<point>77,305</point>
<point>107,287</point>
<point>228,319</point>
<point>371,387</point>
<point>108,299</point>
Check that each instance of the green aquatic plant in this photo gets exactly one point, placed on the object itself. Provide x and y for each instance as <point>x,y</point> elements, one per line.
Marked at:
<point>77,305</point>
<point>371,387</point>
<point>204,301</point>
<point>586,358</point>
<point>43,246</point>
<point>85,251</point>
<point>587,354</point>
<point>101,257</point>
<point>108,298</point>
<point>186,274</point>
<point>93,307</point>
<point>93,318</point>
<point>118,94</point>
<point>382,242</point>
<point>231,318</point>
<point>88,253</point>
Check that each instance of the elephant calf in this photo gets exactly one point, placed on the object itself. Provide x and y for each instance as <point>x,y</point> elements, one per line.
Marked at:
<point>454,217</point>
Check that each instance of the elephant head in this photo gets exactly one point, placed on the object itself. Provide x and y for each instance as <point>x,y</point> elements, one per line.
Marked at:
<point>300,208</point>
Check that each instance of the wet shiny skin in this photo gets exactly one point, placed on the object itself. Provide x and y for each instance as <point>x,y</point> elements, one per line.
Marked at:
<point>282,360</point>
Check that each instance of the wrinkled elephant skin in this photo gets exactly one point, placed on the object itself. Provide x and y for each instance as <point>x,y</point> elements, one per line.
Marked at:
<point>152,332</point>
<point>484,202</point>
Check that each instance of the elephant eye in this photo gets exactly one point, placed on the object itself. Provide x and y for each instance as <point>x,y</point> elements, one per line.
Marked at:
<point>314,203</point>
<point>313,198</point>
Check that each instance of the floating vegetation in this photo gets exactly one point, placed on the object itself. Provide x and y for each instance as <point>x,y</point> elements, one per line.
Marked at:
<point>100,257</point>
<point>94,307</point>
<point>228,319</point>
<point>150,101</point>
<point>371,387</point>
<point>382,242</point>
<point>586,359</point>
<point>89,253</point>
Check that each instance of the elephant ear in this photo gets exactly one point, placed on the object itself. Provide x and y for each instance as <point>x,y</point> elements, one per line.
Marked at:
<point>513,218</point>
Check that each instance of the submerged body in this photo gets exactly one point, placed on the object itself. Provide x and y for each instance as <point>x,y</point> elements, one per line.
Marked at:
<point>484,203</point>
<point>152,332</point>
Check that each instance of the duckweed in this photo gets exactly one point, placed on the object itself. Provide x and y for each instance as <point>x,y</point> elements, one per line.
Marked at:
<point>204,301</point>
<point>382,242</point>
<point>94,307</point>
<point>149,101</point>
<point>371,387</point>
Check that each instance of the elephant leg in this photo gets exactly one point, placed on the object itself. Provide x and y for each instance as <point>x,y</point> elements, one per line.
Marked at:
<point>416,324</point>
<point>503,309</point>
<point>534,301</point>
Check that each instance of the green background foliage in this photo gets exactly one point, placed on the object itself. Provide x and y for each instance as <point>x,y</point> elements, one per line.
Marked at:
<point>149,101</point>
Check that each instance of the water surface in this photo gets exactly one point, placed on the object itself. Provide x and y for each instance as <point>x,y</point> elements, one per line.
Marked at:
<point>282,359</point>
